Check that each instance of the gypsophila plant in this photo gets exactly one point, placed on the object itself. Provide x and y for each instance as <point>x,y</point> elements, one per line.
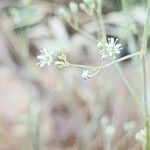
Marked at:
<point>109,49</point>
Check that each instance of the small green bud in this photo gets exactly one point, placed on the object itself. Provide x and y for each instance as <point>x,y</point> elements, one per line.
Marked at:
<point>61,64</point>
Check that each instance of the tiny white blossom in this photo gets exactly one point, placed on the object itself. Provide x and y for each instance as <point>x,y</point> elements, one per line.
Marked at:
<point>61,64</point>
<point>113,47</point>
<point>88,6</point>
<point>85,75</point>
<point>64,12</point>
<point>100,45</point>
<point>73,7</point>
<point>82,6</point>
<point>129,126</point>
<point>104,56</point>
<point>141,136</point>
<point>110,130</point>
<point>61,11</point>
<point>45,58</point>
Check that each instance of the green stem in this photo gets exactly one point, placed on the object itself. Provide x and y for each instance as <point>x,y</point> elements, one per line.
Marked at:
<point>123,58</point>
<point>107,65</point>
<point>144,70</point>
<point>83,66</point>
<point>100,20</point>
<point>145,102</point>
<point>86,35</point>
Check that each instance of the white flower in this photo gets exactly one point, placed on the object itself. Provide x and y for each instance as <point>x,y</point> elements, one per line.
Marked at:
<point>61,11</point>
<point>64,12</point>
<point>85,75</point>
<point>141,136</point>
<point>129,126</point>
<point>109,49</point>
<point>110,130</point>
<point>113,47</point>
<point>104,57</point>
<point>45,58</point>
<point>73,7</point>
<point>82,6</point>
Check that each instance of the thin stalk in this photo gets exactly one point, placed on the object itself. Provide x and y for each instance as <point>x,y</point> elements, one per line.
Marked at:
<point>100,20</point>
<point>144,81</point>
<point>32,137</point>
<point>86,35</point>
<point>96,72</point>
<point>83,66</point>
<point>146,30</point>
<point>126,11</point>
<point>107,65</point>
<point>146,114</point>
<point>128,85</point>
<point>123,58</point>
<point>124,7</point>
<point>102,35</point>
<point>83,33</point>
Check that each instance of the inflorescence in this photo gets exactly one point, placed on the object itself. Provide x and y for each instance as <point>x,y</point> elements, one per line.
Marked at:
<point>107,50</point>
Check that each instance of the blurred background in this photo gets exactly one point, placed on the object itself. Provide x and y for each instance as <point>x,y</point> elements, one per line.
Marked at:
<point>50,109</point>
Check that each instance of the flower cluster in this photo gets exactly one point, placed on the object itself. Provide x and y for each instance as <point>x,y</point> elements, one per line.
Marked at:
<point>46,58</point>
<point>108,129</point>
<point>62,60</point>
<point>109,49</point>
<point>68,13</point>
<point>141,136</point>
<point>129,126</point>
<point>88,6</point>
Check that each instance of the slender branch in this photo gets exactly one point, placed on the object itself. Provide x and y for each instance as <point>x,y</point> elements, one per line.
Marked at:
<point>146,30</point>
<point>99,68</point>
<point>107,65</point>
<point>123,58</point>
<point>83,33</point>
<point>97,71</point>
<point>86,35</point>
<point>145,102</point>
<point>100,20</point>
<point>128,85</point>
<point>83,66</point>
